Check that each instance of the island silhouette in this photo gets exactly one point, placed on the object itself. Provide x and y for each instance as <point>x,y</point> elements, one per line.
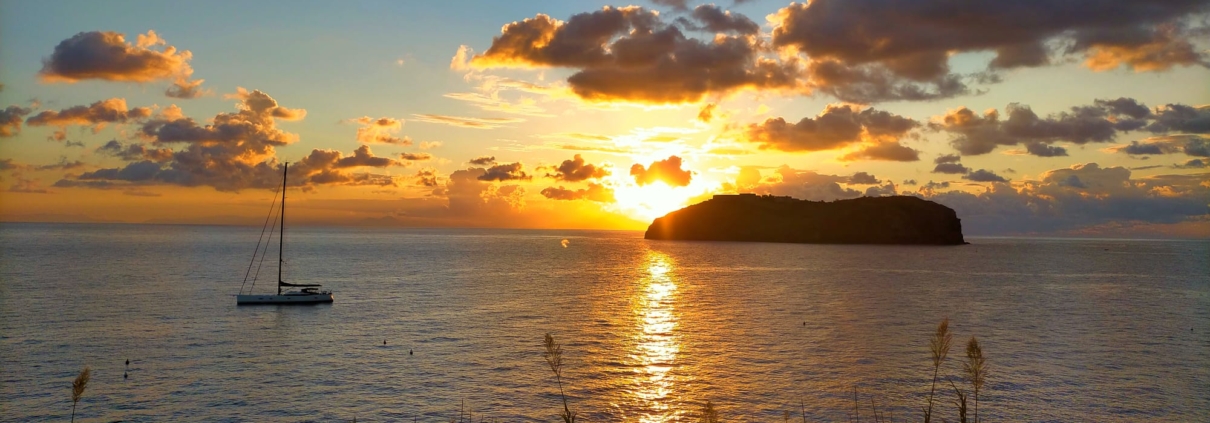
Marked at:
<point>767,218</point>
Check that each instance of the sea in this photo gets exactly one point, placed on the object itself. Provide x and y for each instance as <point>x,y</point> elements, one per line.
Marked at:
<point>440,325</point>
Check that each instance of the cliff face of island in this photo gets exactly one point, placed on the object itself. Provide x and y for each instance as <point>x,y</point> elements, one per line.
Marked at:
<point>866,220</point>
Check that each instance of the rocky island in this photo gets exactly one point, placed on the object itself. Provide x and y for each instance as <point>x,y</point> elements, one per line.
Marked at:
<point>765,218</point>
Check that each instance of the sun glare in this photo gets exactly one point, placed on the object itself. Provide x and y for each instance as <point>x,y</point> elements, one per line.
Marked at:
<point>651,201</point>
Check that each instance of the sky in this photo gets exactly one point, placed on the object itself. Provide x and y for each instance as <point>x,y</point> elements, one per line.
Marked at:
<point>1036,118</point>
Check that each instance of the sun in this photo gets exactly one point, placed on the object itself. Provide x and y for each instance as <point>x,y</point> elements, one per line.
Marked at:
<point>648,202</point>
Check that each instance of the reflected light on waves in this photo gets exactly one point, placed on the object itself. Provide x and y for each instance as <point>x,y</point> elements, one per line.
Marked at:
<point>657,345</point>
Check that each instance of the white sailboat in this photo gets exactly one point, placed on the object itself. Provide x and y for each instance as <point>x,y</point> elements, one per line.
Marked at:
<point>295,293</point>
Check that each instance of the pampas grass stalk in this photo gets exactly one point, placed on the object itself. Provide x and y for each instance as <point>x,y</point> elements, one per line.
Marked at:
<point>976,370</point>
<point>554,357</point>
<point>709,414</point>
<point>77,389</point>
<point>960,402</point>
<point>940,347</point>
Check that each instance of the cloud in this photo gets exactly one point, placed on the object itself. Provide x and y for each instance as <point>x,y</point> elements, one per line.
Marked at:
<point>135,152</point>
<point>1082,196</point>
<point>426,177</point>
<point>951,168</point>
<point>380,130</point>
<point>467,122</point>
<point>975,134</point>
<point>187,89</point>
<point>415,156</point>
<point>577,169</point>
<point>984,175</point>
<point>1193,164</point>
<point>234,151</point>
<point>913,41</point>
<point>675,4</point>
<point>483,160</point>
<point>107,56</point>
<point>706,114</point>
<point>711,18</point>
<point>595,192</point>
<point>470,197</point>
<point>668,171</point>
<point>630,54</point>
<point>10,120</point>
<point>887,150</point>
<point>801,184</point>
<point>505,172</point>
<point>97,114</point>
<point>836,127</point>
<point>863,178</point>
<point>429,145</point>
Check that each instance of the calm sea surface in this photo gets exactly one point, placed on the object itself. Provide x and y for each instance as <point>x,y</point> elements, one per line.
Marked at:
<point>1073,330</point>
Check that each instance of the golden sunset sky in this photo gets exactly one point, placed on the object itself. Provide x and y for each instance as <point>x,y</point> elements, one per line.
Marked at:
<point>1074,118</point>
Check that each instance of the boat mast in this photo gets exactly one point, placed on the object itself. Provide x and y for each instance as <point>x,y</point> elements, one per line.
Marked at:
<point>281,236</point>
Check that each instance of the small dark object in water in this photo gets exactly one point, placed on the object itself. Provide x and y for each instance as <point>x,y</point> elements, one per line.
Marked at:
<point>804,323</point>
<point>384,342</point>
<point>125,375</point>
<point>409,352</point>
<point>128,362</point>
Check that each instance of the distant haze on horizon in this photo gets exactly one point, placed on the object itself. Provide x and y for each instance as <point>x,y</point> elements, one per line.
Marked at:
<point>1094,121</point>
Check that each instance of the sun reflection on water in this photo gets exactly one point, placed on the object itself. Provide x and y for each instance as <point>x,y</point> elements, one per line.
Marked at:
<point>657,343</point>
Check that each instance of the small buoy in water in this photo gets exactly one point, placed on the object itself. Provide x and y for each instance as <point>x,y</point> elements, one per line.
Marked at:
<point>409,352</point>
<point>384,342</point>
<point>804,323</point>
<point>128,362</point>
<point>125,375</point>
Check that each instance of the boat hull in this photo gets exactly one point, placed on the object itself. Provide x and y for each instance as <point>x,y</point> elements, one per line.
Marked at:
<point>283,299</point>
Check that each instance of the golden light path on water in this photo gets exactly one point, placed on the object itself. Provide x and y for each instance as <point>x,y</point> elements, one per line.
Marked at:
<point>657,347</point>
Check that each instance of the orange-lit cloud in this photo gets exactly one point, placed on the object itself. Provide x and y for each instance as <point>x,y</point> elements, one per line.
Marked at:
<point>630,54</point>
<point>577,169</point>
<point>380,130</point>
<point>107,56</point>
<point>10,120</point>
<point>836,127</point>
<point>100,113</point>
<point>505,172</point>
<point>668,171</point>
<point>594,192</point>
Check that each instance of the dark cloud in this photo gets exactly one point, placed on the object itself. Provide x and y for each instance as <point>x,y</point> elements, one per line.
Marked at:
<point>882,191</point>
<point>426,177</point>
<point>107,56</point>
<point>576,170</point>
<point>1141,34</point>
<point>186,89</point>
<point>668,171</point>
<point>863,178</point>
<point>836,127</point>
<point>1193,164</point>
<point>380,130</point>
<point>909,182</point>
<point>948,158</point>
<point>629,54</point>
<point>483,160</point>
<point>984,175</point>
<point>505,172</point>
<point>415,156</point>
<point>887,150</point>
<point>594,192</point>
<point>1043,150</point>
<point>951,168</point>
<point>135,152</point>
<point>102,112</point>
<point>10,120</point>
<point>869,83</point>
<point>234,151</point>
<point>713,19</point>
<point>975,134</point>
